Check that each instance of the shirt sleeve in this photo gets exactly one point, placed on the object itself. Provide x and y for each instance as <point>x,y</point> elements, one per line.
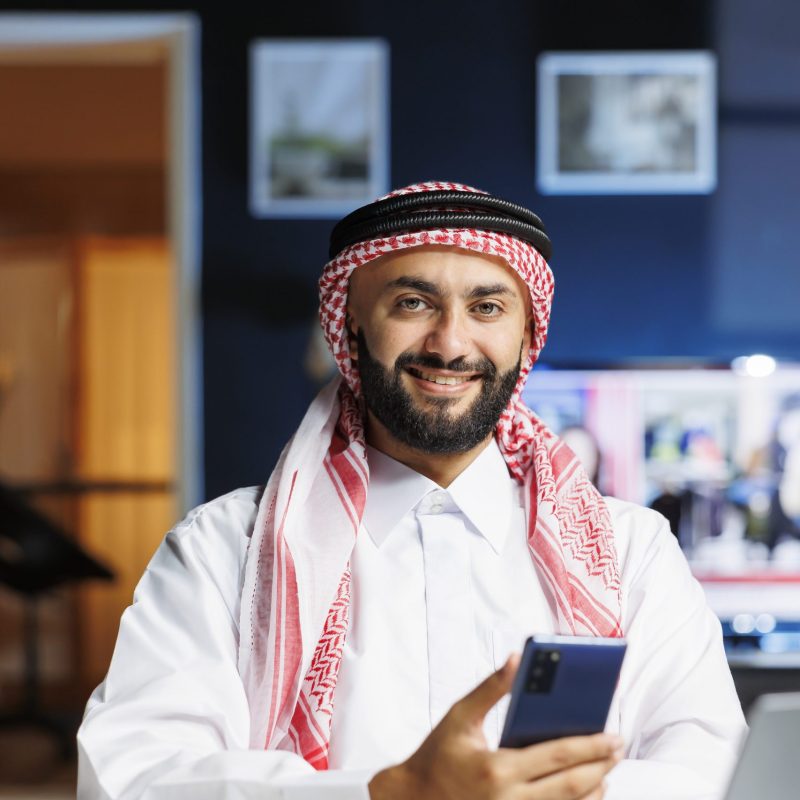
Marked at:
<point>171,719</point>
<point>676,704</point>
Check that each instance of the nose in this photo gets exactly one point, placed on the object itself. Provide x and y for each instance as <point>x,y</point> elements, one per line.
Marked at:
<point>448,338</point>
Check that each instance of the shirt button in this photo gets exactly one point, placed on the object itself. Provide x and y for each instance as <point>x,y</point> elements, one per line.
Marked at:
<point>437,503</point>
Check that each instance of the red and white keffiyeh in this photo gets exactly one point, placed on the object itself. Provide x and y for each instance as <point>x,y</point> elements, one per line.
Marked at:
<point>295,601</point>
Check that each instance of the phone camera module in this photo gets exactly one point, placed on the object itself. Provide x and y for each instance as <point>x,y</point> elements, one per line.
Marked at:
<point>542,671</point>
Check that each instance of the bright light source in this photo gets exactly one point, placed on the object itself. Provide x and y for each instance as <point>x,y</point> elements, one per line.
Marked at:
<point>765,623</point>
<point>744,623</point>
<point>755,366</point>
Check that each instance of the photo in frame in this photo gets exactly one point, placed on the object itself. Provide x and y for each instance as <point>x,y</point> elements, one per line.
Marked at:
<point>318,126</point>
<point>626,123</point>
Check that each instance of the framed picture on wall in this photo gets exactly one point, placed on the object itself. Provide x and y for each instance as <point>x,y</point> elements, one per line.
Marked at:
<point>626,123</point>
<point>318,126</point>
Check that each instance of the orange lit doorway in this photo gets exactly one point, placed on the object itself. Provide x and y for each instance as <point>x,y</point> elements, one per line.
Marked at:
<point>100,385</point>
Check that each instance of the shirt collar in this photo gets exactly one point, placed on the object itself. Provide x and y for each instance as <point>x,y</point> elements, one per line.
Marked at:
<point>484,492</point>
<point>487,494</point>
<point>394,489</point>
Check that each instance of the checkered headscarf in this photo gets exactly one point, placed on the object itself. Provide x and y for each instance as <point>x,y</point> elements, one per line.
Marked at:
<point>311,513</point>
<point>521,256</point>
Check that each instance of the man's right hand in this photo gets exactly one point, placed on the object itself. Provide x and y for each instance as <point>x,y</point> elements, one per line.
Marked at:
<point>455,763</point>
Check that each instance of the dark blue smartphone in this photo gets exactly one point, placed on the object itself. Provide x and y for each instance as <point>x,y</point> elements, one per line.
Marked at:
<point>563,687</point>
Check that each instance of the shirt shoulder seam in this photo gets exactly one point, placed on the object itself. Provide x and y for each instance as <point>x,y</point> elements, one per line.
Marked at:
<point>195,516</point>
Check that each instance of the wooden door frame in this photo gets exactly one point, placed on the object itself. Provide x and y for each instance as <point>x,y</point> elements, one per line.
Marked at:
<point>21,34</point>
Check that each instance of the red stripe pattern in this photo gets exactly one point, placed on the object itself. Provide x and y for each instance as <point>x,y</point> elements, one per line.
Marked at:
<point>569,529</point>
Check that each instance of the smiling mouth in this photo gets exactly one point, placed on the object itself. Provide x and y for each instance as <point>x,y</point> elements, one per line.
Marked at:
<point>444,380</point>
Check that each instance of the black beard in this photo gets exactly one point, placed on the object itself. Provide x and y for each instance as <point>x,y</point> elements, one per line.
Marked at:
<point>434,431</point>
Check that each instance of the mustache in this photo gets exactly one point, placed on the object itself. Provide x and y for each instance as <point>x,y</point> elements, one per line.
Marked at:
<point>460,364</point>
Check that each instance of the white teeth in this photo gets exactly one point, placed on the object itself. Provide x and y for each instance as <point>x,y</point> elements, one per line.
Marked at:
<point>448,380</point>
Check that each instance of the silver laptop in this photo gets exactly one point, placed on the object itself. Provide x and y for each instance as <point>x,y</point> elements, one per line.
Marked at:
<point>769,764</point>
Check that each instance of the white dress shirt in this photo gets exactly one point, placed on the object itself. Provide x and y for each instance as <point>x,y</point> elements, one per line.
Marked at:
<point>443,589</point>
<point>440,578</point>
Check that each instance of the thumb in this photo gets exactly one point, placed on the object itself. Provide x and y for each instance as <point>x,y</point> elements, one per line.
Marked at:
<point>476,705</point>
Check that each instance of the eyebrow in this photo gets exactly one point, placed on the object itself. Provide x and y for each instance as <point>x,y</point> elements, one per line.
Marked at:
<point>428,287</point>
<point>488,291</point>
<point>417,284</point>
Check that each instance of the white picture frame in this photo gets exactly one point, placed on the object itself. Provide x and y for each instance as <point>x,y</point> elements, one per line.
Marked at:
<point>319,126</point>
<point>626,123</point>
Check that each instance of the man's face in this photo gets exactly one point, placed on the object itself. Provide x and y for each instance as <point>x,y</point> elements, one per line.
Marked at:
<point>438,334</point>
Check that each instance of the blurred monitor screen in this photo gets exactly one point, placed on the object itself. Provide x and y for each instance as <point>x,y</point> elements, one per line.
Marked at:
<point>717,452</point>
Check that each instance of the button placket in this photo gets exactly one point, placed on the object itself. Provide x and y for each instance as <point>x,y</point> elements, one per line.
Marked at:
<point>448,600</point>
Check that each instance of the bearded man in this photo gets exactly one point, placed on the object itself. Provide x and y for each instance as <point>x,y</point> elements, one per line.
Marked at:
<point>351,630</point>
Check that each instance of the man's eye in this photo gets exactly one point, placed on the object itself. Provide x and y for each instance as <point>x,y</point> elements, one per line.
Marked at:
<point>411,303</point>
<point>487,309</point>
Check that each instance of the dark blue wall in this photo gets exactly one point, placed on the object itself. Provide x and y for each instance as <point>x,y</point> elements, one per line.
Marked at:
<point>636,277</point>
<point>462,108</point>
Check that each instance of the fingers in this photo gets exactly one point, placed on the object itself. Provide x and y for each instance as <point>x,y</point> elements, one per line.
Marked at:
<point>548,758</point>
<point>582,782</point>
<point>576,782</point>
<point>474,706</point>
